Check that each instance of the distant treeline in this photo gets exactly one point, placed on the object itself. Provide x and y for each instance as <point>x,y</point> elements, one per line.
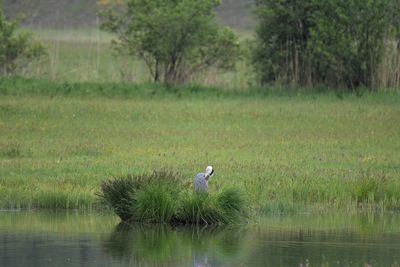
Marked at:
<point>336,44</point>
<point>76,13</point>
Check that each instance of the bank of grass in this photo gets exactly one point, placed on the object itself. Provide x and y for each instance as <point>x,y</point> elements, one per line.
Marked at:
<point>288,152</point>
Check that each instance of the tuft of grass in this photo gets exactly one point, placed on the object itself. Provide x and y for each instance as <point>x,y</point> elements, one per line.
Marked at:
<point>228,206</point>
<point>10,150</point>
<point>162,198</point>
<point>118,194</point>
<point>142,197</point>
<point>199,209</point>
<point>369,188</point>
<point>234,205</point>
<point>156,203</point>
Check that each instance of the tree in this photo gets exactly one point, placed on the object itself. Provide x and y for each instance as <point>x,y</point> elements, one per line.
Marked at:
<point>175,39</point>
<point>283,32</point>
<point>337,43</point>
<point>347,41</point>
<point>17,50</point>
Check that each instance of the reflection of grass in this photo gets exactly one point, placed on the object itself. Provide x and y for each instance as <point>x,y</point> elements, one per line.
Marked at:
<point>140,242</point>
<point>158,244</point>
<point>339,236</point>
<point>48,222</point>
<point>289,154</point>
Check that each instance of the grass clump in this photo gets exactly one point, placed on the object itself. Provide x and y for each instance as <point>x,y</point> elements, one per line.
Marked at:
<point>141,197</point>
<point>375,191</point>
<point>226,207</point>
<point>163,197</point>
<point>10,151</point>
<point>156,203</point>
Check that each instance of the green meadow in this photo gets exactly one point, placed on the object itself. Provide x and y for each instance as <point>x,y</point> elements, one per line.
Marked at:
<point>288,151</point>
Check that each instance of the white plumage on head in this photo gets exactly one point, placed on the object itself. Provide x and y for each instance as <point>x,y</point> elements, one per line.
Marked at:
<point>209,171</point>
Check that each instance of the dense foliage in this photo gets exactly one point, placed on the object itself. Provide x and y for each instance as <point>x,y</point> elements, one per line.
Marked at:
<point>17,50</point>
<point>337,43</point>
<point>176,39</point>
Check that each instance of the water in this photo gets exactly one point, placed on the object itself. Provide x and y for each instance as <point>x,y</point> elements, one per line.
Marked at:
<point>74,239</point>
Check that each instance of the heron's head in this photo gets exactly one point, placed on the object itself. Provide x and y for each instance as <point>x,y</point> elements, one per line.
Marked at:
<point>209,171</point>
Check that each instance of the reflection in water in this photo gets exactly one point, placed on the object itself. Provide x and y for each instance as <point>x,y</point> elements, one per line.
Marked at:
<point>162,245</point>
<point>51,239</point>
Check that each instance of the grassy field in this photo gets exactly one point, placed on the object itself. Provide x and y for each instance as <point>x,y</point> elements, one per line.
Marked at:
<point>86,55</point>
<point>288,152</point>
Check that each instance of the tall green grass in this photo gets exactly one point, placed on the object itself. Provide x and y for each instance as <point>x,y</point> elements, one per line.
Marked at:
<point>227,207</point>
<point>146,198</point>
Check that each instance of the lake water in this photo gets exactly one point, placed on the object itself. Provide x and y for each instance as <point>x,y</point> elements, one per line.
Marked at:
<point>76,239</point>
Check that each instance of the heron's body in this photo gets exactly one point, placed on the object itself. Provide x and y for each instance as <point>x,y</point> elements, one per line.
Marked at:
<point>201,183</point>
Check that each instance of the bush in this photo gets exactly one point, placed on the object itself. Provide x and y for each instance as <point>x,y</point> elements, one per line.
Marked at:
<point>16,50</point>
<point>175,39</point>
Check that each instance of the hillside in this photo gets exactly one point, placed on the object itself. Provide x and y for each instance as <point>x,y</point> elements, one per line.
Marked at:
<point>61,14</point>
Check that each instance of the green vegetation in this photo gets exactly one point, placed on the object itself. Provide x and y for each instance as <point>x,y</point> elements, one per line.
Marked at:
<point>288,152</point>
<point>17,50</point>
<point>84,114</point>
<point>297,45</point>
<point>175,39</point>
<point>162,197</point>
<point>224,208</point>
<point>86,55</point>
<point>338,43</point>
<point>148,198</point>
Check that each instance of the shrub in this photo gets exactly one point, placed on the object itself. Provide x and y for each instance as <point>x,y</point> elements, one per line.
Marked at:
<point>16,50</point>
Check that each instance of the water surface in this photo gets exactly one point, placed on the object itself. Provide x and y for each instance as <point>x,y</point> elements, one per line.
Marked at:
<point>76,239</point>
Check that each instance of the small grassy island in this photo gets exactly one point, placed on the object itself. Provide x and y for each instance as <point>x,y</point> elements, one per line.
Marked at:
<point>163,197</point>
